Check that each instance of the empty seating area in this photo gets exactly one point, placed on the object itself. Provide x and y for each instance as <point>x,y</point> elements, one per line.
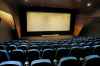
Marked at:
<point>78,51</point>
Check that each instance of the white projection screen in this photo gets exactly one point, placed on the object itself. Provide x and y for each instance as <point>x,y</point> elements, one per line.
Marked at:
<point>45,21</point>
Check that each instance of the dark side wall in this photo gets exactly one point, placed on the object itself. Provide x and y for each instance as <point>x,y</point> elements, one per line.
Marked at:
<point>85,19</point>
<point>6,22</point>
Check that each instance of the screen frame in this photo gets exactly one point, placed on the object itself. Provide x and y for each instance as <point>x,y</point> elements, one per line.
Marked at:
<point>22,10</point>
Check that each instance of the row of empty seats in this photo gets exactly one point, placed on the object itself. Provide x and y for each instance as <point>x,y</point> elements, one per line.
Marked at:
<point>56,52</point>
<point>25,51</point>
<point>91,60</point>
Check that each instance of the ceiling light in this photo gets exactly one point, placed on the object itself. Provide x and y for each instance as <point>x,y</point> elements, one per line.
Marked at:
<point>26,0</point>
<point>88,4</point>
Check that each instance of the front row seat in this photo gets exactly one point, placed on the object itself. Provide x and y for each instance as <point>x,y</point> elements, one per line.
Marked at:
<point>92,60</point>
<point>69,61</point>
<point>11,63</point>
<point>41,62</point>
<point>3,55</point>
<point>17,55</point>
<point>33,54</point>
<point>48,54</point>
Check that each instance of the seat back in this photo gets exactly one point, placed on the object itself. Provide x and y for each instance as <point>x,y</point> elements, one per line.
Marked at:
<point>48,54</point>
<point>17,55</point>
<point>88,50</point>
<point>33,54</point>
<point>3,55</point>
<point>61,52</point>
<point>41,62</point>
<point>11,47</point>
<point>11,63</point>
<point>2,47</point>
<point>22,47</point>
<point>92,60</point>
<point>97,49</point>
<point>77,52</point>
<point>69,61</point>
<point>33,47</point>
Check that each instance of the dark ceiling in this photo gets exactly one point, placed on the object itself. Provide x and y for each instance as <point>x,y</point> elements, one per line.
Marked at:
<point>76,4</point>
<point>85,8</point>
<point>46,3</point>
